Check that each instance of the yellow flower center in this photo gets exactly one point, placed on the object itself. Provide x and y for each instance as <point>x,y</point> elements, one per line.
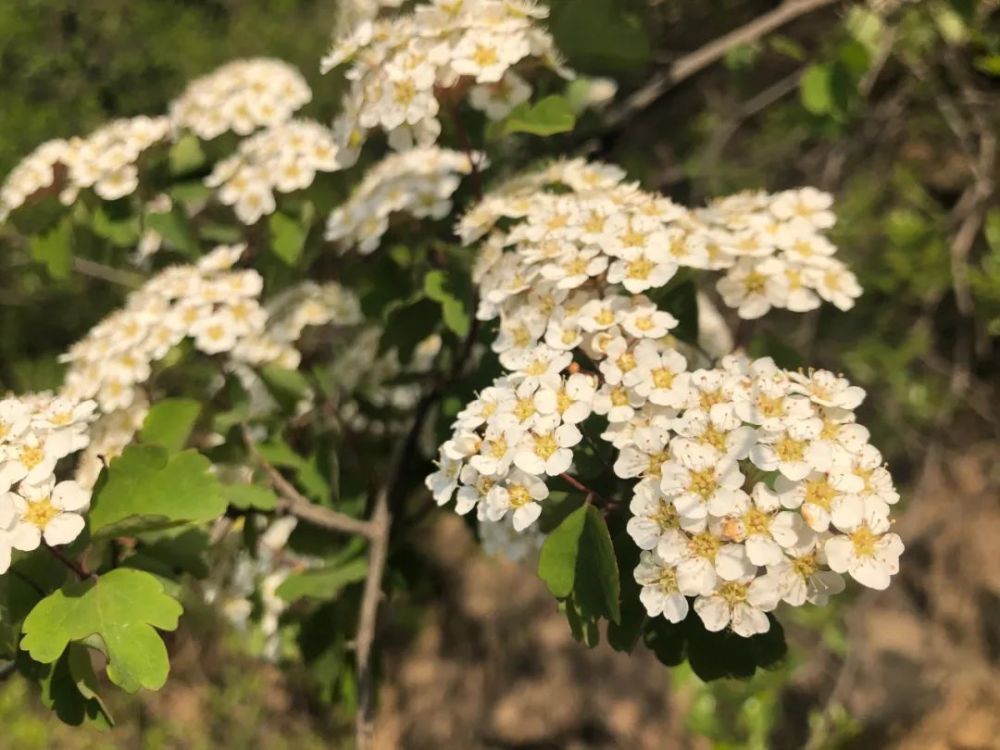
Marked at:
<point>41,512</point>
<point>663,378</point>
<point>632,238</point>
<point>518,495</point>
<point>757,522</point>
<point>667,580</point>
<point>605,317</point>
<point>789,449</point>
<point>864,541</point>
<point>703,483</point>
<point>771,407</point>
<point>819,492</point>
<point>733,592</point>
<point>714,438</point>
<point>525,409</point>
<point>498,447</point>
<point>545,445</point>
<point>563,401</point>
<point>404,92</point>
<point>31,456</point>
<point>626,362</point>
<point>640,268</point>
<point>666,516</point>
<point>654,468</point>
<point>644,323</point>
<point>705,544</point>
<point>619,397</point>
<point>806,565</point>
<point>754,282</point>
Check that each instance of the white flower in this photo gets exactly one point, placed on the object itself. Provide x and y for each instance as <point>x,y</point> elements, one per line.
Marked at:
<point>788,450</point>
<point>702,559</point>
<point>740,604</point>
<point>572,400</point>
<point>807,204</point>
<point>442,483</point>
<point>46,510</point>
<point>823,498</point>
<point>618,403</point>
<point>653,515</point>
<point>659,375</point>
<point>869,552</point>
<point>801,576</point>
<point>699,484</point>
<point>522,493</point>
<point>546,448</point>
<point>765,529</point>
<point>754,286</point>
<point>659,594</point>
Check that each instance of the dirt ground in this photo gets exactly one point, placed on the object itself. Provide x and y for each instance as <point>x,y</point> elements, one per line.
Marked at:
<point>496,667</point>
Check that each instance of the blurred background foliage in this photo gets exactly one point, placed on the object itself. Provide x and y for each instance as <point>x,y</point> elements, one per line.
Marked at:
<point>891,105</point>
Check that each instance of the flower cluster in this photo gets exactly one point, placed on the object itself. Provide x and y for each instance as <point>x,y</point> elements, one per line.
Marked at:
<point>36,432</point>
<point>419,182</point>
<point>283,158</point>
<point>757,487</point>
<point>106,159</point>
<point>609,231</point>
<point>775,252</point>
<point>740,469</point>
<point>36,172</point>
<point>399,66</point>
<point>240,96</point>
<point>214,304</point>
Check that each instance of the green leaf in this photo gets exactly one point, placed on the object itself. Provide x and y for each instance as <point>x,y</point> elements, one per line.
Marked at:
<point>250,497</point>
<point>551,115</point>
<point>441,287</point>
<point>322,583</point>
<point>407,325</point>
<point>120,232</point>
<point>69,689</point>
<point>287,386</point>
<point>173,226</point>
<point>147,488</point>
<point>186,155</point>
<point>55,249</point>
<point>815,89</point>
<point>170,422</point>
<point>989,64</point>
<point>681,301</point>
<point>277,452</point>
<point>288,237</point>
<point>624,634</point>
<point>557,561</point>
<point>599,36</point>
<point>596,581</point>
<point>122,608</point>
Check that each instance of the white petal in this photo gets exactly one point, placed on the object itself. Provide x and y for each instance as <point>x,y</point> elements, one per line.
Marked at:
<point>675,607</point>
<point>731,563</point>
<point>839,551</point>
<point>526,515</point>
<point>869,572</point>
<point>713,611</point>
<point>653,599</point>
<point>64,528</point>
<point>25,537</point>
<point>695,576</point>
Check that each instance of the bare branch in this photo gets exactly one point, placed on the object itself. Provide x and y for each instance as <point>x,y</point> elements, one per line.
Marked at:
<point>100,271</point>
<point>295,503</point>
<point>686,66</point>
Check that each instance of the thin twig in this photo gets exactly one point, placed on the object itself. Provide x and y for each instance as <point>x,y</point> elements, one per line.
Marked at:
<point>81,572</point>
<point>577,484</point>
<point>686,66</point>
<point>295,503</point>
<point>106,273</point>
<point>466,144</point>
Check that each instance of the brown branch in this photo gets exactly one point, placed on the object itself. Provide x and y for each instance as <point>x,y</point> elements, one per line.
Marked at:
<point>295,503</point>
<point>78,570</point>
<point>686,66</point>
<point>100,271</point>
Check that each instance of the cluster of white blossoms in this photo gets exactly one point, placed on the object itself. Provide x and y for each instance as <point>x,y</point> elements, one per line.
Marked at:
<point>419,182</point>
<point>741,469</point>
<point>36,432</point>
<point>214,304</point>
<point>758,486</point>
<point>283,158</point>
<point>35,173</point>
<point>240,97</point>
<point>399,66</point>
<point>605,230</point>
<point>106,159</point>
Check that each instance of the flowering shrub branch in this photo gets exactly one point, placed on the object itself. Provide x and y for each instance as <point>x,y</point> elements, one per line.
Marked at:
<point>304,319</point>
